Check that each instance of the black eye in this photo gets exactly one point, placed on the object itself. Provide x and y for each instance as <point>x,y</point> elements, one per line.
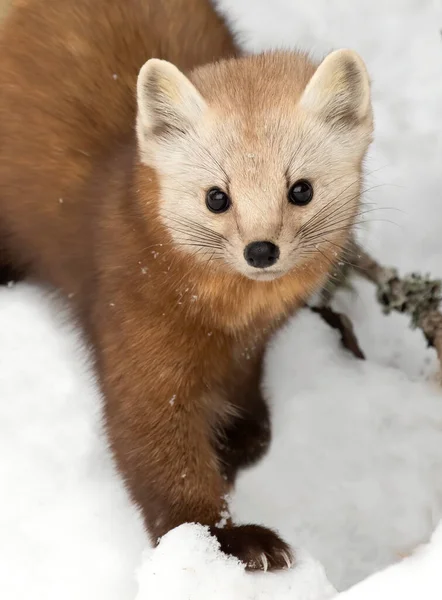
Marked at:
<point>217,201</point>
<point>301,192</point>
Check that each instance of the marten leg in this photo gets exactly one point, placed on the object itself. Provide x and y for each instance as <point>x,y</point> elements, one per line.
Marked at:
<point>247,437</point>
<point>8,272</point>
<point>158,416</point>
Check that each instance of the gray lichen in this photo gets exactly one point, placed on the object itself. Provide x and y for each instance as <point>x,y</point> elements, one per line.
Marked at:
<point>415,294</point>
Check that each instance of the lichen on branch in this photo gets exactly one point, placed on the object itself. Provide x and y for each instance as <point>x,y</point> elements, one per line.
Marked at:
<point>417,295</point>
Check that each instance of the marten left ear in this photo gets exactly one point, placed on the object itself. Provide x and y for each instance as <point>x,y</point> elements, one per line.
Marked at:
<point>168,103</point>
<point>339,91</point>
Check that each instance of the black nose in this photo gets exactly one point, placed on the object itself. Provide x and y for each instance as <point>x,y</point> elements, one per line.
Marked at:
<point>261,254</point>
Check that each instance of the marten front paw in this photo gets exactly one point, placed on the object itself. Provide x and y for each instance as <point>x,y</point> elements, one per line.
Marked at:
<point>259,548</point>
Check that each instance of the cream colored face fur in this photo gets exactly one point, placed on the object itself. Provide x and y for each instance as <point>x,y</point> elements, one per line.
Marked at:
<point>253,127</point>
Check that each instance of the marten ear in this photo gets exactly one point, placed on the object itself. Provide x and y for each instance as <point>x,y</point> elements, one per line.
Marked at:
<point>168,103</point>
<point>339,91</point>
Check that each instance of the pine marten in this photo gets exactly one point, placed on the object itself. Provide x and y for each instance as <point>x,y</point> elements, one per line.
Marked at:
<point>185,200</point>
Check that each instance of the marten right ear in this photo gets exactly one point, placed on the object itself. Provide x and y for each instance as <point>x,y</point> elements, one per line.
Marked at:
<point>168,103</point>
<point>339,91</point>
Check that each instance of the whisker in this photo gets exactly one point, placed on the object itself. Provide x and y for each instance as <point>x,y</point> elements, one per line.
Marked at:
<point>319,212</point>
<point>183,221</point>
<point>194,226</point>
<point>320,235</point>
<point>330,205</point>
<point>196,235</point>
<point>339,219</point>
<point>343,252</point>
<point>198,245</point>
<point>197,238</point>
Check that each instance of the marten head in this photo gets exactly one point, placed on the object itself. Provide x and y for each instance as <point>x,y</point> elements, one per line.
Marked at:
<point>258,159</point>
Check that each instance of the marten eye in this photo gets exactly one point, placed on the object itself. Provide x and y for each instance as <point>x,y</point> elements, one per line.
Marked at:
<point>217,201</point>
<point>301,192</point>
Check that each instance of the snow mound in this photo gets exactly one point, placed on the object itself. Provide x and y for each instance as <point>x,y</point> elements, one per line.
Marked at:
<point>188,565</point>
<point>418,577</point>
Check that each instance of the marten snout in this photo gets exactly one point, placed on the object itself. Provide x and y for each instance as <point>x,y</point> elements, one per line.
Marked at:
<point>261,254</point>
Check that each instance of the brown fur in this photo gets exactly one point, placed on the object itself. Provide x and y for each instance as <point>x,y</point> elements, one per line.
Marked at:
<point>178,344</point>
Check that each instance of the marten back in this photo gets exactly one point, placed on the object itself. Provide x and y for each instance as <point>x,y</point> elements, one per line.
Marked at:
<point>68,101</point>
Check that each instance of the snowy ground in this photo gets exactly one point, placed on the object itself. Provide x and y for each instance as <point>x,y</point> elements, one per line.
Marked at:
<point>354,476</point>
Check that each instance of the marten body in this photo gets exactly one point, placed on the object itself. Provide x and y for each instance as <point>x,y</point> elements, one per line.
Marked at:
<point>91,207</point>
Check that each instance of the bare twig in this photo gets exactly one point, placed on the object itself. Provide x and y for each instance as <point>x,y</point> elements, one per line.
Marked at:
<point>343,324</point>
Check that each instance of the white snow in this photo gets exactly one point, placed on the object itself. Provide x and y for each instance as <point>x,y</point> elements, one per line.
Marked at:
<point>204,574</point>
<point>354,476</point>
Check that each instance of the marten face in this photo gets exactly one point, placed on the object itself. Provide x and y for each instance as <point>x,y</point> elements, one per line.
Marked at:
<point>259,159</point>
